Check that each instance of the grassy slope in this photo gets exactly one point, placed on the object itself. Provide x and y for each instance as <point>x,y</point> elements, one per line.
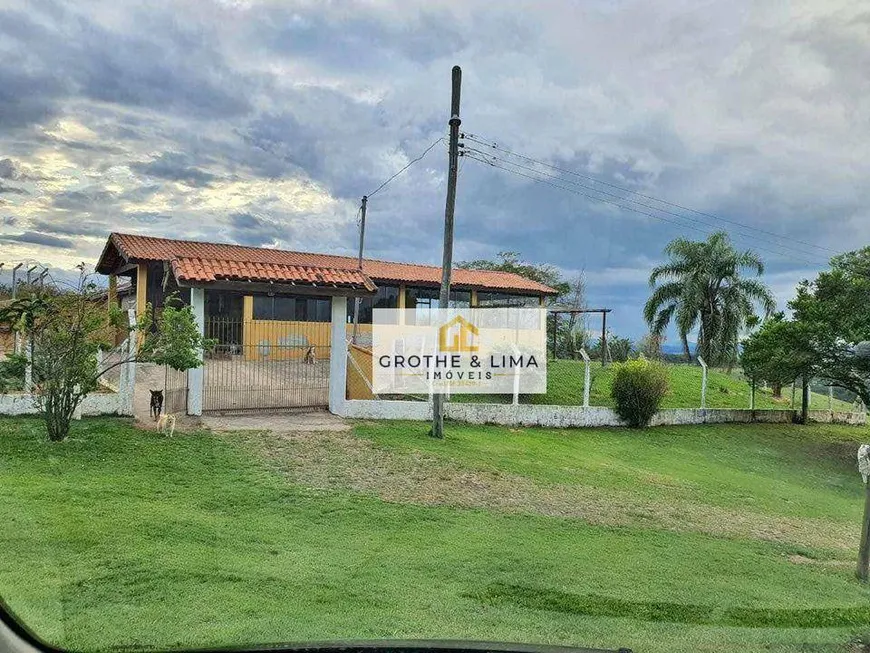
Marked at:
<point>119,537</point>
<point>565,387</point>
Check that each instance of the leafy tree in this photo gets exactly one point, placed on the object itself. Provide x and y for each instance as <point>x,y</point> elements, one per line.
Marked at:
<point>513,262</point>
<point>704,286</point>
<point>828,336</point>
<point>780,352</point>
<point>651,346</point>
<point>619,349</point>
<point>64,332</point>
<point>570,329</point>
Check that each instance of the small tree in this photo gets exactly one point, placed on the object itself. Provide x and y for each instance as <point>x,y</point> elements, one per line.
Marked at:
<point>639,386</point>
<point>651,346</point>
<point>64,331</point>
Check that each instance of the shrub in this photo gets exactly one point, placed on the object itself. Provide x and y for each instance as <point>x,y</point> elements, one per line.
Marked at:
<point>12,370</point>
<point>638,389</point>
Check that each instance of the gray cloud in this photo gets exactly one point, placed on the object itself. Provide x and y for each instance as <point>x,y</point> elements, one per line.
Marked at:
<point>35,238</point>
<point>738,111</point>
<point>82,200</point>
<point>174,167</point>
<point>248,229</point>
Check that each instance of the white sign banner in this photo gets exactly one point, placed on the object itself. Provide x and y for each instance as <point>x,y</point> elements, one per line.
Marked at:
<point>459,350</point>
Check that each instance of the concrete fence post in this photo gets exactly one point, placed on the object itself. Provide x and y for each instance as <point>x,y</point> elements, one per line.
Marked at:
<point>586,378</point>
<point>338,357</point>
<point>703,383</point>
<point>77,413</point>
<point>831,398</point>
<point>516,399</point>
<point>195,375</point>
<point>28,369</point>
<point>129,369</point>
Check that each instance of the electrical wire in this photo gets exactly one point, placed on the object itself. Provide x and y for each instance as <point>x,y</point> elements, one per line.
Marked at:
<point>785,250</point>
<point>493,145</point>
<point>410,163</point>
<point>495,164</point>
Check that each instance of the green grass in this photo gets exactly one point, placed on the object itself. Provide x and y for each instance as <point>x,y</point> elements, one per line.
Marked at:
<point>120,538</point>
<point>565,387</point>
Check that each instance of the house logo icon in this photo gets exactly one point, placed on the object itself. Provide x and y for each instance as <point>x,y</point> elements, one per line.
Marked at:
<point>458,335</point>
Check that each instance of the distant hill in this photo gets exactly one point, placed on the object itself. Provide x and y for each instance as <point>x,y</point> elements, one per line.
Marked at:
<point>677,347</point>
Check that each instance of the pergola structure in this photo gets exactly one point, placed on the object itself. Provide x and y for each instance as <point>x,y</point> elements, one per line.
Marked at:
<point>556,311</point>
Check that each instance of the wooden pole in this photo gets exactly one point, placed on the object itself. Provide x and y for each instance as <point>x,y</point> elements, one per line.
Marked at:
<point>864,552</point>
<point>450,205</point>
<point>603,338</point>
<point>362,240</point>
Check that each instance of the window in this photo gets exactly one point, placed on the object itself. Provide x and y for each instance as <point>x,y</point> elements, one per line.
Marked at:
<point>425,299</point>
<point>386,297</point>
<point>501,299</point>
<point>288,309</point>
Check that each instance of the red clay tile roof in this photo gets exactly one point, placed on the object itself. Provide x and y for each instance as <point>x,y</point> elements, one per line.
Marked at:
<point>209,270</point>
<point>218,260</point>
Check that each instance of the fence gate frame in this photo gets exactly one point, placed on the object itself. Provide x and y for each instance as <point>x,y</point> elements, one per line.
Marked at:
<point>331,370</point>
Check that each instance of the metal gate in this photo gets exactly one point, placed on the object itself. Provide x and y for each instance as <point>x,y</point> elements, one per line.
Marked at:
<point>265,365</point>
<point>174,391</point>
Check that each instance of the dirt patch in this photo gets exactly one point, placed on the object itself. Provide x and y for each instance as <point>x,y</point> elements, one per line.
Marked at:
<point>341,460</point>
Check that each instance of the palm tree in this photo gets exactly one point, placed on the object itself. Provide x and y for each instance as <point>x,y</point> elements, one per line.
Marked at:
<point>703,285</point>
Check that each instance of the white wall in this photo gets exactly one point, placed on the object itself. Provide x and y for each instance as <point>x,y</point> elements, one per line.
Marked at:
<point>97,403</point>
<point>577,416</point>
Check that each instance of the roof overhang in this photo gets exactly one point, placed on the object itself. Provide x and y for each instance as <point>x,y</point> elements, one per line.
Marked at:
<point>279,288</point>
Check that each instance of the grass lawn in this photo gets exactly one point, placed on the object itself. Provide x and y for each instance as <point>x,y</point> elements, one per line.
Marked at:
<point>565,387</point>
<point>121,538</point>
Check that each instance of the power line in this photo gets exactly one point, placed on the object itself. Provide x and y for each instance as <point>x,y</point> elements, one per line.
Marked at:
<point>493,163</point>
<point>410,163</point>
<point>474,138</point>
<point>786,250</point>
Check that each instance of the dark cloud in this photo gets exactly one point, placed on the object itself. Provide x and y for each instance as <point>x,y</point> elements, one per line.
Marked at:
<point>248,229</point>
<point>174,167</point>
<point>758,129</point>
<point>12,190</point>
<point>35,238</point>
<point>83,200</point>
<point>70,228</point>
<point>12,171</point>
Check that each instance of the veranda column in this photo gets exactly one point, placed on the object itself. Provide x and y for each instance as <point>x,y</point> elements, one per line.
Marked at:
<point>195,375</point>
<point>338,356</point>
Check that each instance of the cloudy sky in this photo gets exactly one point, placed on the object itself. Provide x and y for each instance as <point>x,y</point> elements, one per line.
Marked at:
<point>263,123</point>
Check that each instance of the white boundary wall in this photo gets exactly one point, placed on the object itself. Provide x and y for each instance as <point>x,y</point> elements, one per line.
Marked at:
<point>96,403</point>
<point>578,416</point>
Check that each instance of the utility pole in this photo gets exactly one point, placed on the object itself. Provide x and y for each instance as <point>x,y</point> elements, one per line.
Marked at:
<point>447,262</point>
<point>362,239</point>
<point>603,339</point>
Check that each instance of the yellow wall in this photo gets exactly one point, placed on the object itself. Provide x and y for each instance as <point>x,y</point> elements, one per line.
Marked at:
<point>296,336</point>
<point>141,288</point>
<point>357,383</point>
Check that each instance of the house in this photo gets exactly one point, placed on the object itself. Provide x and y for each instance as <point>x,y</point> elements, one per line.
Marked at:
<point>268,305</point>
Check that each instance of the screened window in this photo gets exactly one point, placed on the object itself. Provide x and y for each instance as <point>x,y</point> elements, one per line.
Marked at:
<point>289,309</point>
<point>499,299</point>
<point>386,297</point>
<point>423,300</point>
